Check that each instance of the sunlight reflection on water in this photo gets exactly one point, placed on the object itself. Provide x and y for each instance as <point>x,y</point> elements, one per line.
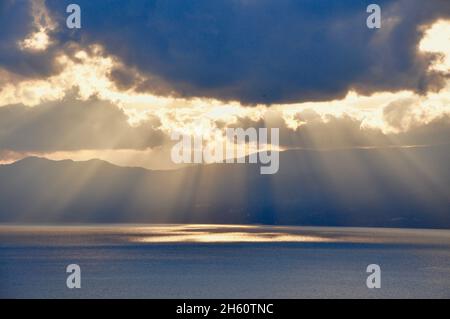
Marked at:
<point>141,234</point>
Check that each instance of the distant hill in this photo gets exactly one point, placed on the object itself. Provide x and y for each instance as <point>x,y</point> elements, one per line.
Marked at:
<point>363,187</point>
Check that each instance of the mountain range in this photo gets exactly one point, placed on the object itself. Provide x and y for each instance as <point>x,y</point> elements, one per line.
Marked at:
<point>387,187</point>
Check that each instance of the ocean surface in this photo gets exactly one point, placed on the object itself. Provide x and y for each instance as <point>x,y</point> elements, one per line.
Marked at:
<point>219,261</point>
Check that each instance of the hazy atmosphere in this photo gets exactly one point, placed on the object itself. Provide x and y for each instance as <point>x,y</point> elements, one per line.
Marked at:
<point>225,148</point>
<point>363,114</point>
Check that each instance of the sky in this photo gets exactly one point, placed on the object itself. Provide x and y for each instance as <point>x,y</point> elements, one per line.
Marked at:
<point>137,71</point>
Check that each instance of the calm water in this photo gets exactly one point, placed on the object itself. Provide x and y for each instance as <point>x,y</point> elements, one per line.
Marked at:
<point>205,261</point>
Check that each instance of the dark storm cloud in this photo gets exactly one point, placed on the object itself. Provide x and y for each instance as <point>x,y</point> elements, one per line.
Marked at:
<point>73,125</point>
<point>16,24</point>
<point>126,78</point>
<point>261,51</point>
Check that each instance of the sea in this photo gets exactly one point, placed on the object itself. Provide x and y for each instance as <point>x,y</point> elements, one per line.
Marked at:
<point>222,261</point>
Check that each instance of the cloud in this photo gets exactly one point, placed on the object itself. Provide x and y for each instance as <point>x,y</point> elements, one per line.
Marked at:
<point>71,124</point>
<point>397,113</point>
<point>437,131</point>
<point>94,124</point>
<point>261,51</point>
<point>24,29</point>
<point>315,131</point>
<point>151,57</point>
<point>81,130</point>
